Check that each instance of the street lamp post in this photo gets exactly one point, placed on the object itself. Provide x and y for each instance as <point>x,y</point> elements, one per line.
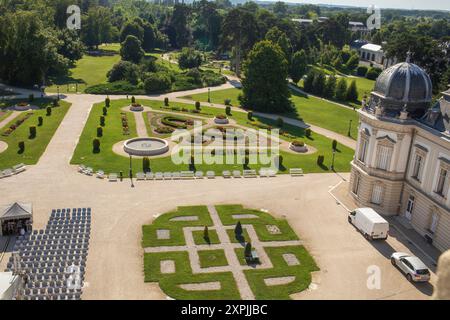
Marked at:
<point>209,95</point>
<point>332,161</point>
<point>349,128</point>
<point>131,171</point>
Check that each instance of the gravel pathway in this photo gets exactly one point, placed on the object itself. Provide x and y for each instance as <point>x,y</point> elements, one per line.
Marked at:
<point>9,118</point>
<point>236,269</point>
<point>141,129</point>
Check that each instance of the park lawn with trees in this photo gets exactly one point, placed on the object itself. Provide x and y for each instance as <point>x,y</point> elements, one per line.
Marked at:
<point>88,71</point>
<point>324,114</point>
<point>109,161</point>
<point>34,147</point>
<point>312,110</point>
<point>218,96</point>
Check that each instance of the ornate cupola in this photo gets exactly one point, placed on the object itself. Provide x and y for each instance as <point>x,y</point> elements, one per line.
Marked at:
<point>402,91</point>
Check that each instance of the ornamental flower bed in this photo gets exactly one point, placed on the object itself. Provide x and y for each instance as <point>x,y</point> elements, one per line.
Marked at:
<point>164,130</point>
<point>18,122</point>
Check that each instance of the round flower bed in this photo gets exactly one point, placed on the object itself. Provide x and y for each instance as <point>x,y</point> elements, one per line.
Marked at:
<point>221,119</point>
<point>298,146</point>
<point>137,107</point>
<point>22,106</point>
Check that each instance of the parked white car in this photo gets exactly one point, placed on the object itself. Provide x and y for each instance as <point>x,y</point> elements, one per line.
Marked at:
<point>414,269</point>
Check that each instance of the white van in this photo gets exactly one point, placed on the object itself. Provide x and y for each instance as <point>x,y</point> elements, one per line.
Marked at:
<point>369,223</point>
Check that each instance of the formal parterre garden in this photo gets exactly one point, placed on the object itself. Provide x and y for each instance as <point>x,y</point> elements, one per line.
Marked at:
<point>182,115</point>
<point>309,109</point>
<point>24,146</point>
<point>283,266</point>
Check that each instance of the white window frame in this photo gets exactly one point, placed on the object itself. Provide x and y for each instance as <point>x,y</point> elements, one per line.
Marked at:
<point>418,167</point>
<point>442,182</point>
<point>377,193</point>
<point>356,184</point>
<point>384,157</point>
<point>364,146</point>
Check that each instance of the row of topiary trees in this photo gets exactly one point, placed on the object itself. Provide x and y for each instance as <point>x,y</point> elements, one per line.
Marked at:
<point>32,129</point>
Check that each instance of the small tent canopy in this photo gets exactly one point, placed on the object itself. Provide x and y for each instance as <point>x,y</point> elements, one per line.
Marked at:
<point>16,211</point>
<point>15,217</point>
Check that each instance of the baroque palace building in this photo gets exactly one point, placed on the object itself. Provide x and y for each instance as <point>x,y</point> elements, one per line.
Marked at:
<point>402,161</point>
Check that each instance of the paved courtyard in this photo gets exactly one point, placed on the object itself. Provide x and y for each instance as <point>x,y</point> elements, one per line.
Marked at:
<point>114,265</point>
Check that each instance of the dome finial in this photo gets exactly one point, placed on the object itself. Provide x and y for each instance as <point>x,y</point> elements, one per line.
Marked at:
<point>408,56</point>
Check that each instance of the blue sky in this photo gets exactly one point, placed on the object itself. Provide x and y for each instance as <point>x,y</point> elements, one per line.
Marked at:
<point>404,4</point>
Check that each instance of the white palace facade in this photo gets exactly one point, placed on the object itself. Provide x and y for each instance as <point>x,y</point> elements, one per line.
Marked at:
<point>402,160</point>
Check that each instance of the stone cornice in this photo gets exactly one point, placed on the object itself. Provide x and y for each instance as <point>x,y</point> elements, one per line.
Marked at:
<point>377,173</point>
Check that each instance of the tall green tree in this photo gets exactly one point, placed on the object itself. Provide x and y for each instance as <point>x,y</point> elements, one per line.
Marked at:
<point>189,58</point>
<point>279,37</point>
<point>330,87</point>
<point>239,33</point>
<point>299,66</point>
<point>97,27</point>
<point>341,90</point>
<point>180,34</point>
<point>28,49</point>
<point>319,83</point>
<point>266,88</point>
<point>131,50</point>
<point>352,92</point>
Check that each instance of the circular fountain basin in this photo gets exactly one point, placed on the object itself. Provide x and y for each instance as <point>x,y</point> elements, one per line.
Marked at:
<point>144,147</point>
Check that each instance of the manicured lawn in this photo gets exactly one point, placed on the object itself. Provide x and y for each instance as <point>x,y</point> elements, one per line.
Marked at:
<point>302,274</point>
<point>311,110</point>
<point>109,161</point>
<point>34,147</point>
<point>226,213</point>
<point>199,238</point>
<point>325,114</point>
<point>218,96</point>
<point>212,258</point>
<point>169,283</point>
<point>149,232</point>
<point>87,71</point>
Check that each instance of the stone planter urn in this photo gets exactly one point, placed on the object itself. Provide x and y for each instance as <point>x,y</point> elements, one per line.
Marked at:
<point>221,119</point>
<point>23,106</point>
<point>136,107</point>
<point>299,147</point>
